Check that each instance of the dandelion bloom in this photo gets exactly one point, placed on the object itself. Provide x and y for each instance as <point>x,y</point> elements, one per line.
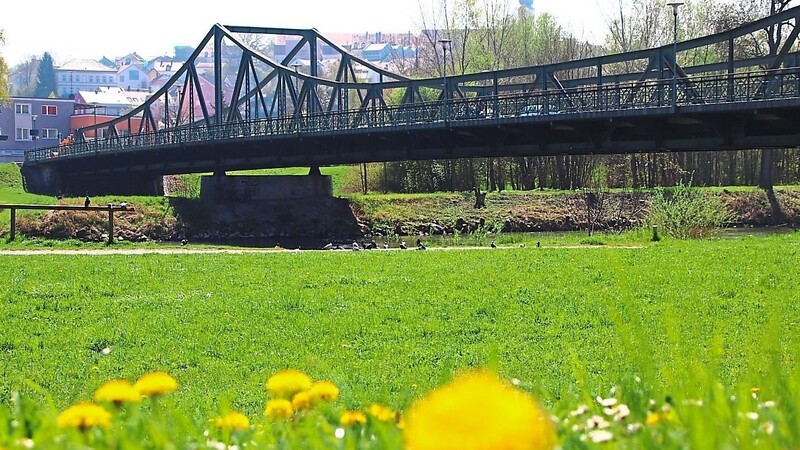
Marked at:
<point>155,383</point>
<point>477,411</point>
<point>117,392</point>
<point>233,421</point>
<point>280,409</point>
<point>302,400</point>
<point>325,391</point>
<point>656,417</point>
<point>83,416</point>
<point>286,383</point>
<point>381,412</point>
<point>350,418</point>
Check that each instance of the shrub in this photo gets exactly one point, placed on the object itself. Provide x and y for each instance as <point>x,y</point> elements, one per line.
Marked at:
<point>683,212</point>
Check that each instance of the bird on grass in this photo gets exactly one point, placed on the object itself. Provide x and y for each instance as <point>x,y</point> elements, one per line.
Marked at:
<point>403,245</point>
<point>420,245</point>
<point>538,244</point>
<point>86,202</point>
<point>184,241</point>
<point>493,245</point>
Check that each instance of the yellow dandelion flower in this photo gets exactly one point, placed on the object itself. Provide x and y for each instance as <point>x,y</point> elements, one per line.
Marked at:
<point>350,418</point>
<point>302,400</point>
<point>155,383</point>
<point>233,421</point>
<point>477,411</point>
<point>656,417</point>
<point>83,416</point>
<point>381,412</point>
<point>325,391</point>
<point>286,383</point>
<point>117,392</point>
<point>755,390</point>
<point>280,409</point>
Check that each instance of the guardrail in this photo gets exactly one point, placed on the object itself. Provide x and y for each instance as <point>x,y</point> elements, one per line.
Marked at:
<point>536,105</point>
<point>110,209</point>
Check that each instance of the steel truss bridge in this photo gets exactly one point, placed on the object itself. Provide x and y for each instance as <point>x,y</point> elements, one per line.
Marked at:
<point>249,111</point>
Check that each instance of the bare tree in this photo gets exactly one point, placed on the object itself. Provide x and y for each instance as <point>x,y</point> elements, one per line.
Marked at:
<point>3,71</point>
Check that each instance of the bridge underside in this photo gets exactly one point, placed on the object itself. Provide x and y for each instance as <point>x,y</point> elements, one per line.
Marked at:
<point>138,172</point>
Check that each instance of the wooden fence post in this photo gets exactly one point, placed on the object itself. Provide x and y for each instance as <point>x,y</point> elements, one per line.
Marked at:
<point>110,226</point>
<point>13,223</point>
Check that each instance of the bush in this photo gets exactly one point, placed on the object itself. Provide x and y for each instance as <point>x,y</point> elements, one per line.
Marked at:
<point>683,212</point>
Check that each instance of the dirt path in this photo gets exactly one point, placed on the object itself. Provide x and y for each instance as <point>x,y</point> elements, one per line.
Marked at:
<point>241,251</point>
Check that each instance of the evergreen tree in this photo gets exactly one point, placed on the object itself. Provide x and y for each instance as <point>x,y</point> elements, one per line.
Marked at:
<point>46,77</point>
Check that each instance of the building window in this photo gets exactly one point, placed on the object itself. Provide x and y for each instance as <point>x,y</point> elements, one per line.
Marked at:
<point>23,134</point>
<point>101,133</point>
<point>122,78</point>
<point>49,133</point>
<point>22,108</point>
<point>134,75</point>
<point>49,110</point>
<point>63,77</point>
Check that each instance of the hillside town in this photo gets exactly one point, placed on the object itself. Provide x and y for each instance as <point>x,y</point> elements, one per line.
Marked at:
<point>90,91</point>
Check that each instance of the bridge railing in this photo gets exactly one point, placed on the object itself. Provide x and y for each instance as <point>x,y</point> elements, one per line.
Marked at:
<point>529,106</point>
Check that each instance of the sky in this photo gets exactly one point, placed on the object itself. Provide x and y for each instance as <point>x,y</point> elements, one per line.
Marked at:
<point>93,28</point>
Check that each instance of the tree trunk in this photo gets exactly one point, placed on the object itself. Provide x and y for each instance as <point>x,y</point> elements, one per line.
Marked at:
<point>765,180</point>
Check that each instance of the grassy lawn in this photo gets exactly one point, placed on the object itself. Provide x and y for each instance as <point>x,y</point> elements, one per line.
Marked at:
<point>688,320</point>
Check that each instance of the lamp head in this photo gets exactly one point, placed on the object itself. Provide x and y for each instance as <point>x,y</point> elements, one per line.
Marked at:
<point>675,5</point>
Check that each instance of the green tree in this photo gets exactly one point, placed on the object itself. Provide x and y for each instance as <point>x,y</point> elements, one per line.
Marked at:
<point>46,78</point>
<point>3,71</point>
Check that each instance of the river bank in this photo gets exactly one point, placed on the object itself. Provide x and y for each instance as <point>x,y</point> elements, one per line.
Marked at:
<point>360,217</point>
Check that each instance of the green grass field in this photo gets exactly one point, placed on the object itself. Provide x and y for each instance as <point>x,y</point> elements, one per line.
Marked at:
<point>691,320</point>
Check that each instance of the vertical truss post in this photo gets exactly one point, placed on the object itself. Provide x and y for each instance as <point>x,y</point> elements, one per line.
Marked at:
<point>312,46</point>
<point>495,96</point>
<point>217,75</point>
<point>731,69</point>
<point>599,95</point>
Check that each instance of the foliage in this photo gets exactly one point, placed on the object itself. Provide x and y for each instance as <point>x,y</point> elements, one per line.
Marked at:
<point>683,212</point>
<point>46,85</point>
<point>680,344</point>
<point>24,77</point>
<point>4,72</point>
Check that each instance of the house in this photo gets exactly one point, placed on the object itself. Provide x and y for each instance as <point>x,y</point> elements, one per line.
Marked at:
<point>107,62</point>
<point>129,60</point>
<point>133,77</point>
<point>104,104</point>
<point>161,69</point>
<point>29,123</point>
<point>83,75</point>
<point>377,52</point>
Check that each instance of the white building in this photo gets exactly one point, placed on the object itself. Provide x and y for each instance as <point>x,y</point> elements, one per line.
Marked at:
<point>83,75</point>
<point>133,78</point>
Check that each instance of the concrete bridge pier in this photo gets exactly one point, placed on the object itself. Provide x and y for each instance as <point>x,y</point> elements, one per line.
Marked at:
<point>266,187</point>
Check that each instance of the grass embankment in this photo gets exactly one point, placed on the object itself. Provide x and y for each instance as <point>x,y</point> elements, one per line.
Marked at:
<point>696,321</point>
<point>548,210</point>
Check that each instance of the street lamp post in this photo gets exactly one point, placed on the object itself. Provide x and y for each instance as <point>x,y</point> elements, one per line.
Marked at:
<point>34,131</point>
<point>445,43</point>
<point>675,4</point>
<point>94,115</point>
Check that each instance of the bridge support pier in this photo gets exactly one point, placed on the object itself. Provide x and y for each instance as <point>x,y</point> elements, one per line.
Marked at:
<point>265,187</point>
